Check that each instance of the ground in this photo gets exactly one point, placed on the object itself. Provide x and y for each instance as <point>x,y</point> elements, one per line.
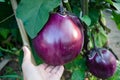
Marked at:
<point>114,35</point>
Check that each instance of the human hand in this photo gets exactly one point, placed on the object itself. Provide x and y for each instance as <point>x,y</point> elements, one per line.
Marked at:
<point>40,72</point>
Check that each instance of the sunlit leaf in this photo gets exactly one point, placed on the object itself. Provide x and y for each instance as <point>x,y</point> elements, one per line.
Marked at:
<point>93,77</point>
<point>100,38</point>
<point>109,1</point>
<point>86,19</point>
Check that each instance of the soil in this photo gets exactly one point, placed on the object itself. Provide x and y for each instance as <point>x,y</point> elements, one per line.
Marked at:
<point>12,67</point>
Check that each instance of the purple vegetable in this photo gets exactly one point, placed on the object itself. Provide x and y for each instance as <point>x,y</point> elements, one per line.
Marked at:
<point>101,63</point>
<point>60,40</point>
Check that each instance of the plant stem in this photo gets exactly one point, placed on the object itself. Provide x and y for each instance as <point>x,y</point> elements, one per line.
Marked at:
<point>3,63</point>
<point>6,50</point>
<point>20,25</point>
<point>84,4</point>
<point>6,18</point>
<point>62,11</point>
<point>94,45</point>
<point>67,5</point>
<point>21,28</point>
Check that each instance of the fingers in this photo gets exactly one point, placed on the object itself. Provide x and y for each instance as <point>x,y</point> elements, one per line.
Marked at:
<point>27,59</point>
<point>43,66</point>
<point>27,54</point>
<point>49,68</point>
<point>58,70</point>
<point>55,69</point>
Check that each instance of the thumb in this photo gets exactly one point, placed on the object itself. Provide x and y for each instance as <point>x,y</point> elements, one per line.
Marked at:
<point>27,55</point>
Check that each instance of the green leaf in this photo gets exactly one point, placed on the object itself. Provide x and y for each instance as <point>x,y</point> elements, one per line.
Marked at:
<point>2,0</point>
<point>116,76</point>
<point>117,1</point>
<point>75,5</point>
<point>78,75</point>
<point>117,6</point>
<point>94,15</point>
<point>100,38</point>
<point>116,18</point>
<point>10,76</point>
<point>78,63</point>
<point>109,1</point>
<point>4,32</point>
<point>35,13</point>
<point>86,19</point>
<point>1,54</point>
<point>20,58</point>
<point>38,60</point>
<point>93,78</point>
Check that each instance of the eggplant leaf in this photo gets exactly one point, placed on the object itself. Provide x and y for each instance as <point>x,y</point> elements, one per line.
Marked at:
<point>2,0</point>
<point>86,19</point>
<point>94,15</point>
<point>100,38</point>
<point>78,75</point>
<point>116,18</point>
<point>117,6</point>
<point>35,13</point>
<point>4,32</point>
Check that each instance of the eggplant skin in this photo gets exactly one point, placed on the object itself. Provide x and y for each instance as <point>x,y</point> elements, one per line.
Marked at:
<point>60,40</point>
<point>102,66</point>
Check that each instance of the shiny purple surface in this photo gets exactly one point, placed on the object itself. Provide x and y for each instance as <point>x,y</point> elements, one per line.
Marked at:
<point>60,40</point>
<point>102,66</point>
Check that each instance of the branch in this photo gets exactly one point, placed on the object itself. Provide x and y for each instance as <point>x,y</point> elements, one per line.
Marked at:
<point>6,18</point>
<point>3,63</point>
<point>6,50</point>
<point>21,27</point>
<point>84,5</point>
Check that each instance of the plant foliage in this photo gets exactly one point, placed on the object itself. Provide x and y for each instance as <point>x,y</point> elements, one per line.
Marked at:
<point>35,13</point>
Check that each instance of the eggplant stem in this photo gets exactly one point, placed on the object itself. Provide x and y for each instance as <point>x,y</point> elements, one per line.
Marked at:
<point>62,10</point>
<point>67,5</point>
<point>84,4</point>
<point>93,41</point>
<point>95,47</point>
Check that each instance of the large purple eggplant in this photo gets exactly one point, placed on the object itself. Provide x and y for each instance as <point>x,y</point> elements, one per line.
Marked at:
<point>60,40</point>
